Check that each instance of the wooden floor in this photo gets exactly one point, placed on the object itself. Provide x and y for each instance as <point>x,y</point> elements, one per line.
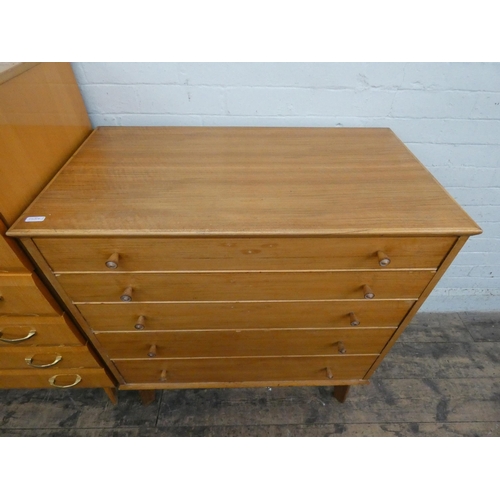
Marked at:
<point>442,378</point>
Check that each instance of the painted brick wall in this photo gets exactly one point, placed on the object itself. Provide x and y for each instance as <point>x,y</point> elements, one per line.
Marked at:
<point>447,114</point>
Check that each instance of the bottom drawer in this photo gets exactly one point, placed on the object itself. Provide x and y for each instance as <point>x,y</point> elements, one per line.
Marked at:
<point>199,371</point>
<point>43,358</point>
<point>37,330</point>
<point>52,378</point>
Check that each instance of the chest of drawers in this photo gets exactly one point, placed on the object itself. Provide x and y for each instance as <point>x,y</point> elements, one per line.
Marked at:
<point>215,257</point>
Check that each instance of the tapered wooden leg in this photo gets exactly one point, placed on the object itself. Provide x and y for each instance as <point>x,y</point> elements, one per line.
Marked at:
<point>112,394</point>
<point>147,397</point>
<point>340,392</point>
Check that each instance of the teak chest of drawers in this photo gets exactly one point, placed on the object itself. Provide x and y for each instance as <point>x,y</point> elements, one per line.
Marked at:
<point>237,257</point>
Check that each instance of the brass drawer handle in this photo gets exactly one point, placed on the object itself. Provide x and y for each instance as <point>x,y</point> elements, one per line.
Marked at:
<point>354,319</point>
<point>112,262</point>
<point>29,362</point>
<point>329,373</point>
<point>383,259</point>
<point>341,347</point>
<point>52,381</point>
<point>152,351</point>
<point>368,292</point>
<point>139,325</point>
<point>126,296</point>
<point>13,341</point>
<point>163,376</point>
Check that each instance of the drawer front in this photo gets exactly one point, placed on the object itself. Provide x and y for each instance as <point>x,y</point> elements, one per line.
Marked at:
<point>230,370</point>
<point>245,343</point>
<point>12,259</point>
<point>25,294</point>
<point>180,254</point>
<point>78,378</point>
<point>32,330</point>
<point>43,358</point>
<point>243,315</point>
<point>140,287</point>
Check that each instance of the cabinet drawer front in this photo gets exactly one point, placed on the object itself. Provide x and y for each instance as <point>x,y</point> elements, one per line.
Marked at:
<point>196,344</point>
<point>32,330</point>
<point>43,358</point>
<point>242,315</point>
<point>25,294</point>
<point>140,287</point>
<point>245,369</point>
<point>78,378</point>
<point>180,254</point>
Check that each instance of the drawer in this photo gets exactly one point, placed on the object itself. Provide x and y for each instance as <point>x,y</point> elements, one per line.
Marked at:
<point>200,344</point>
<point>242,315</point>
<point>41,330</point>
<point>181,254</point>
<point>25,294</point>
<point>52,378</point>
<point>213,286</point>
<point>12,258</point>
<point>43,358</point>
<point>250,369</point>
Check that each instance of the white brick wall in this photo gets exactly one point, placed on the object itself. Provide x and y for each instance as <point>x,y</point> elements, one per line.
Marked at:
<point>447,114</point>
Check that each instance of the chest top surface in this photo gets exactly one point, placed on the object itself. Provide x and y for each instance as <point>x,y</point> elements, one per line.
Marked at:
<point>189,181</point>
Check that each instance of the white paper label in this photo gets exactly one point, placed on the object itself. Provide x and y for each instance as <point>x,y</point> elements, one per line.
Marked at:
<point>35,219</point>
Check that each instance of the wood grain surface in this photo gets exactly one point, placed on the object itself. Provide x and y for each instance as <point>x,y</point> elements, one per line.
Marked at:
<point>49,330</point>
<point>42,122</point>
<point>222,343</point>
<point>244,181</point>
<point>248,369</point>
<point>109,287</point>
<point>198,254</point>
<point>240,315</point>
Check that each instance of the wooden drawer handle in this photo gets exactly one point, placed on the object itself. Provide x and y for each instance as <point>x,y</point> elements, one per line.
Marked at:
<point>52,381</point>
<point>354,319</point>
<point>383,259</point>
<point>163,376</point>
<point>329,373</point>
<point>126,296</point>
<point>341,347</point>
<point>29,362</point>
<point>13,341</point>
<point>368,292</point>
<point>139,325</point>
<point>112,262</point>
<point>152,351</point>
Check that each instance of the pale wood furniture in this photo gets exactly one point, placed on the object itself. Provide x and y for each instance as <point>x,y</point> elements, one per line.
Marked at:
<point>42,122</point>
<point>236,257</point>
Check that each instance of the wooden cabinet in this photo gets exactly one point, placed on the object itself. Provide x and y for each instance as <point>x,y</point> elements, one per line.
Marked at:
<point>43,121</point>
<point>216,257</point>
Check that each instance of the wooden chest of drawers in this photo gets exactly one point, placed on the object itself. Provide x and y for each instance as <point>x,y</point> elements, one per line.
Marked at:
<point>214,257</point>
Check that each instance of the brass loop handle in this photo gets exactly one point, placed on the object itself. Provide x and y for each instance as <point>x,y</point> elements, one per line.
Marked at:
<point>163,376</point>
<point>112,262</point>
<point>139,325</point>
<point>126,296</point>
<point>29,362</point>
<point>383,259</point>
<point>341,347</point>
<point>354,319</point>
<point>13,341</point>
<point>52,381</point>
<point>368,292</point>
<point>152,351</point>
<point>329,373</point>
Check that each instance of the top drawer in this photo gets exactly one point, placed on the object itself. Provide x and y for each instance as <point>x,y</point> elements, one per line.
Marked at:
<point>181,254</point>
